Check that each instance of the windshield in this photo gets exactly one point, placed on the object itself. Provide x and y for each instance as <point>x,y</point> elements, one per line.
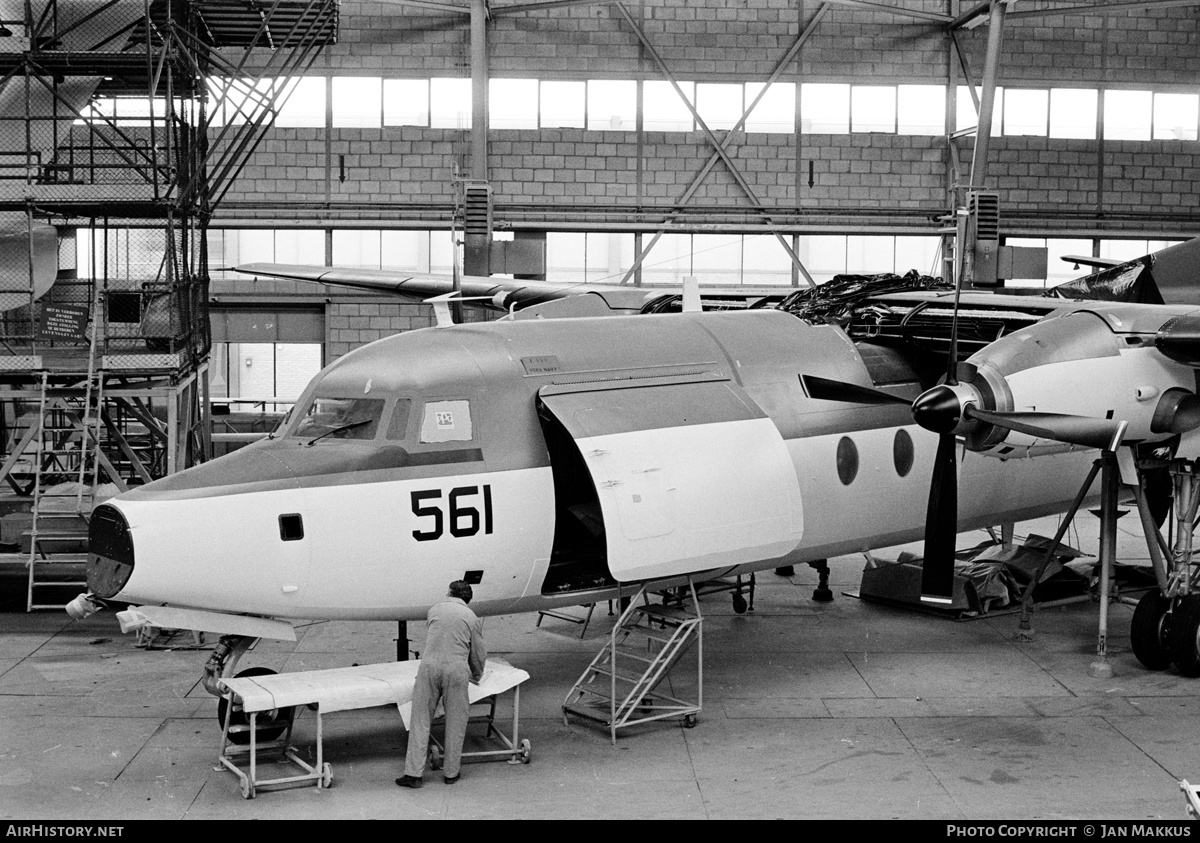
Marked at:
<point>339,418</point>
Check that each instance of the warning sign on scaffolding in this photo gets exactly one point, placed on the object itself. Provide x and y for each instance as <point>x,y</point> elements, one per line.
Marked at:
<point>63,322</point>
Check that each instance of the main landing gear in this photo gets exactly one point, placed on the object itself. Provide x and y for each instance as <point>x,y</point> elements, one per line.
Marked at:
<point>1165,629</point>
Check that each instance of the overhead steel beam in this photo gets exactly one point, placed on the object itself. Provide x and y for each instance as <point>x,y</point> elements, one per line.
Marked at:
<point>479,90</point>
<point>983,129</point>
<point>716,143</point>
<point>933,17</point>
<point>1103,8</point>
<point>520,8</point>
<point>686,197</point>
<point>969,18</point>
<point>432,6</point>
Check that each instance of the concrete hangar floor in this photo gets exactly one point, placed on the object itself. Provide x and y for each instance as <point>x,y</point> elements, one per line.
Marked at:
<point>847,709</point>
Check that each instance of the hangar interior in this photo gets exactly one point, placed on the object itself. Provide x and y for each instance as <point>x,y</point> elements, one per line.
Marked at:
<point>147,147</point>
<point>766,144</point>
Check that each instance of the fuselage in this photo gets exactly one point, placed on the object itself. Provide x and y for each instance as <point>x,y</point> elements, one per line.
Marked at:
<point>548,460</point>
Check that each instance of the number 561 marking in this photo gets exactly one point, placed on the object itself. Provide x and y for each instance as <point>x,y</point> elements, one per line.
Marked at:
<point>463,518</point>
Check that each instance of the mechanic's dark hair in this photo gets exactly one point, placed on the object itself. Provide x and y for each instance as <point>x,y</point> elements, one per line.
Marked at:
<point>462,590</point>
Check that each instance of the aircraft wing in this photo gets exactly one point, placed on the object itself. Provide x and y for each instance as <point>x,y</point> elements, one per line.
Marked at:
<point>1088,260</point>
<point>504,294</point>
<point>494,293</point>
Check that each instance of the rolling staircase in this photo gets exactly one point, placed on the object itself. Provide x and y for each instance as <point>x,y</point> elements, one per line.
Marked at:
<point>622,685</point>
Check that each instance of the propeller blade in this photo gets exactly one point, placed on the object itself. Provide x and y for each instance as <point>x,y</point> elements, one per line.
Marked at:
<point>1075,430</point>
<point>826,389</point>
<point>941,524</point>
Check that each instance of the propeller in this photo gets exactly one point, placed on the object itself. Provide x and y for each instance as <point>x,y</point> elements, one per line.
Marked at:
<point>939,410</point>
<point>942,410</point>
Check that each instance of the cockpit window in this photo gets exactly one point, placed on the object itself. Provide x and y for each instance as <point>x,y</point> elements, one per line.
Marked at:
<point>398,426</point>
<point>446,421</point>
<point>339,418</point>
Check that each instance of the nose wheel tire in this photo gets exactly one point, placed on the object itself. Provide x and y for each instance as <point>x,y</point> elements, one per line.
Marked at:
<point>1149,631</point>
<point>271,724</point>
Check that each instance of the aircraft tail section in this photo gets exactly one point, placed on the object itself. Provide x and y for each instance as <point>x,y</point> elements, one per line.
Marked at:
<point>1169,276</point>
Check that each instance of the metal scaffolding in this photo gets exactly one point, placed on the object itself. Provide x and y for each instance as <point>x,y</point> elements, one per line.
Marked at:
<point>122,125</point>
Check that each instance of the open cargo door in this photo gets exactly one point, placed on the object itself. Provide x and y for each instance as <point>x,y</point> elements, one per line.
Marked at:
<point>690,473</point>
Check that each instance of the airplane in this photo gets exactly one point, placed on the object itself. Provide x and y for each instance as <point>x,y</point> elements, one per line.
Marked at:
<point>552,458</point>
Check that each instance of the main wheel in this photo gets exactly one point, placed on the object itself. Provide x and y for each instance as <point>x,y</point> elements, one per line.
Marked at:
<point>271,724</point>
<point>1183,636</point>
<point>1149,631</point>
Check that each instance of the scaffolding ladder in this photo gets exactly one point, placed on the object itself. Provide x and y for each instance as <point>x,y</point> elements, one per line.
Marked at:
<point>620,688</point>
<point>67,444</point>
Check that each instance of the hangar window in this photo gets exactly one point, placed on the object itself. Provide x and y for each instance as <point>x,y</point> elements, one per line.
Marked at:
<point>1057,270</point>
<point>663,110</point>
<point>229,247</point>
<point>967,114</point>
<point>1073,113</point>
<point>1026,112</point>
<point>357,102</point>
<point>1126,250</point>
<point>513,103</point>
<point>1127,115</point>
<point>1175,116</point>
<point>260,377</point>
<point>921,109</point>
<point>611,104</point>
<point>719,105</point>
<point>873,108</point>
<point>304,106</point>
<point>450,103</point>
<point>563,105</point>
<point>595,256</point>
<point>775,111</point>
<point>235,101</point>
<point>824,108</point>
<point>406,102</point>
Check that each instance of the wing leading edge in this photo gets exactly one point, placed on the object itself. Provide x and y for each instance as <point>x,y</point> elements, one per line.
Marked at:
<point>485,291</point>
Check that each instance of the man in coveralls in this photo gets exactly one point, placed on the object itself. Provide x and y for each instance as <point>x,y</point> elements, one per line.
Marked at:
<point>453,657</point>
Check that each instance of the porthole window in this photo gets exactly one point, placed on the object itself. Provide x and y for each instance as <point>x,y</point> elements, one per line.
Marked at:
<point>902,453</point>
<point>847,460</point>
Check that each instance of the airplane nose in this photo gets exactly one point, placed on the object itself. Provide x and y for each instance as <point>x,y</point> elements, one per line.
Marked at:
<point>110,551</point>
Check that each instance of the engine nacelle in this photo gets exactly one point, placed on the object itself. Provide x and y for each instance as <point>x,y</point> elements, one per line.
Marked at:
<point>1087,362</point>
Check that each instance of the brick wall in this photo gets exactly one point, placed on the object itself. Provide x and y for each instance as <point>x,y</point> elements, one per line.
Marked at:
<point>407,171</point>
<point>351,324</point>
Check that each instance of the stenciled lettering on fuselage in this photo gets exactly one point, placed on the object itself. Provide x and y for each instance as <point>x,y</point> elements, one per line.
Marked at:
<point>456,513</point>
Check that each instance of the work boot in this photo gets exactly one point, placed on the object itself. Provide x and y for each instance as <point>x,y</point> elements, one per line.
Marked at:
<point>409,781</point>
